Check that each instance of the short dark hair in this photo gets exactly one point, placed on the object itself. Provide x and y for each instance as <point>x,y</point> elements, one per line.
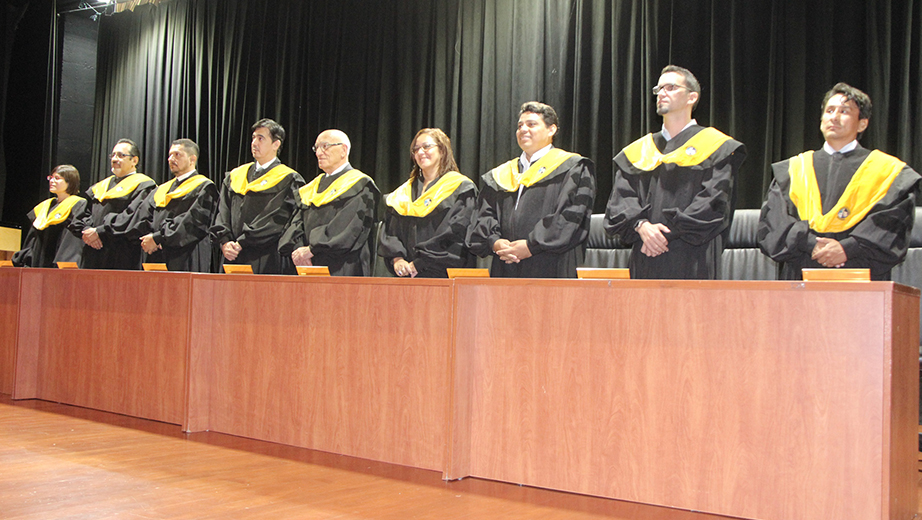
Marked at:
<point>851,94</point>
<point>547,112</point>
<point>70,175</point>
<point>690,80</point>
<point>188,146</point>
<point>276,132</point>
<point>132,147</point>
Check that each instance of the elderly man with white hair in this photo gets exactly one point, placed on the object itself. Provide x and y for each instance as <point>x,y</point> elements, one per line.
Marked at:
<point>335,215</point>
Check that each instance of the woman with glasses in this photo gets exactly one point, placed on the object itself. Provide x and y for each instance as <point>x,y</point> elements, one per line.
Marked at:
<point>427,217</point>
<point>55,233</point>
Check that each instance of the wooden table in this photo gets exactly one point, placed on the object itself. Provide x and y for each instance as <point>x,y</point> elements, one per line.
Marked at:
<point>772,400</point>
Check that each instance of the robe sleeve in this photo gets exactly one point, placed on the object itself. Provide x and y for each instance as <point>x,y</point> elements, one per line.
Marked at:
<point>348,230</point>
<point>567,226</point>
<point>389,244</point>
<point>270,224</point>
<point>484,228</point>
<point>781,234</point>
<point>190,226</point>
<point>221,230</point>
<point>23,257</point>
<point>624,208</point>
<point>446,246</point>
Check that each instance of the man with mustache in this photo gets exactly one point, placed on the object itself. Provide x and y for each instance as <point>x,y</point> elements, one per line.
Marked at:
<point>175,218</point>
<point>843,205</point>
<point>257,201</point>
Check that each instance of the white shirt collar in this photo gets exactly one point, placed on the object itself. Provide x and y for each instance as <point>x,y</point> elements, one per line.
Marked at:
<point>669,137</point>
<point>182,178</point>
<point>535,156</point>
<point>845,149</point>
<point>266,166</point>
<point>337,170</point>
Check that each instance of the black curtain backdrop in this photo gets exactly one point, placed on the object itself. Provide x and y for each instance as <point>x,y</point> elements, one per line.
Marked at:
<point>382,69</point>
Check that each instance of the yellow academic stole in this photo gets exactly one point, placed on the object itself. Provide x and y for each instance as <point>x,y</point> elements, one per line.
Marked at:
<point>310,196</point>
<point>122,189</point>
<point>61,212</point>
<point>265,181</point>
<point>507,175</point>
<point>163,196</point>
<point>402,198</point>
<point>868,186</point>
<point>644,154</point>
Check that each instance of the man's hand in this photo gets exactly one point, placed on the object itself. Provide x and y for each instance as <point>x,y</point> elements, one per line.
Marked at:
<point>654,243</point>
<point>231,250</point>
<point>91,238</point>
<point>404,268</point>
<point>302,256</point>
<point>829,253</point>
<point>148,245</point>
<point>512,252</point>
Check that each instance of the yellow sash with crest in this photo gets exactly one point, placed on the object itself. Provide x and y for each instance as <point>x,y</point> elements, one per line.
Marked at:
<point>265,181</point>
<point>868,186</point>
<point>45,218</point>
<point>402,198</point>
<point>507,175</point>
<point>122,189</point>
<point>346,180</point>
<point>163,195</point>
<point>644,154</point>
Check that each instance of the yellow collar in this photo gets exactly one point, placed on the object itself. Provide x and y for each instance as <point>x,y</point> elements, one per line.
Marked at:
<point>402,198</point>
<point>124,188</point>
<point>342,183</point>
<point>867,187</point>
<point>239,184</point>
<point>507,175</point>
<point>61,212</point>
<point>644,154</point>
<point>162,196</point>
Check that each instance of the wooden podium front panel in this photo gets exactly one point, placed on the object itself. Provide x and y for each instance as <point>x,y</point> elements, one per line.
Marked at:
<point>9,319</point>
<point>767,400</point>
<point>109,340</point>
<point>352,366</point>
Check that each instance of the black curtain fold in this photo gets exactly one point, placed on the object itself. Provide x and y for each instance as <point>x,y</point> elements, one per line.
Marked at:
<point>381,70</point>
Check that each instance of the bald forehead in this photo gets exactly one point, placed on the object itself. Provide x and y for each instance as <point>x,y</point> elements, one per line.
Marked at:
<point>331,136</point>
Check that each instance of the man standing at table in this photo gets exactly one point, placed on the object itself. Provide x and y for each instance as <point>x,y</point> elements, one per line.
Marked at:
<point>533,211</point>
<point>673,190</point>
<point>175,218</point>
<point>842,206</point>
<point>257,201</point>
<point>111,242</point>
<point>335,215</point>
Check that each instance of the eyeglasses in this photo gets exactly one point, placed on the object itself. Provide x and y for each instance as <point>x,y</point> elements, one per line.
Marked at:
<point>668,87</point>
<point>424,147</point>
<point>120,155</point>
<point>55,177</point>
<point>324,146</point>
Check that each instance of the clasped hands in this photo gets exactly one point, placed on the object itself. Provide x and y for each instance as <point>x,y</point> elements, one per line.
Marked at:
<point>148,245</point>
<point>404,268</point>
<point>511,252</point>
<point>91,238</point>
<point>654,242</point>
<point>829,252</point>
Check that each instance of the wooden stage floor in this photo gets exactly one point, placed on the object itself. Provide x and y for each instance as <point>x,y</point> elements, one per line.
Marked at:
<point>63,461</point>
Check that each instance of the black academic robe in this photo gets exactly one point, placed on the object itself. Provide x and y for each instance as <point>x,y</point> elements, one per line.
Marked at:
<point>112,218</point>
<point>56,243</point>
<point>552,216</point>
<point>337,232</point>
<point>256,221</point>
<point>878,242</point>
<point>434,242</point>
<point>695,202</point>
<point>180,228</point>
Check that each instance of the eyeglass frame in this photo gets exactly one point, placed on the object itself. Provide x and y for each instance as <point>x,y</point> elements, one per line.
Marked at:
<point>120,155</point>
<point>674,86</point>
<point>324,146</point>
<point>425,147</point>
